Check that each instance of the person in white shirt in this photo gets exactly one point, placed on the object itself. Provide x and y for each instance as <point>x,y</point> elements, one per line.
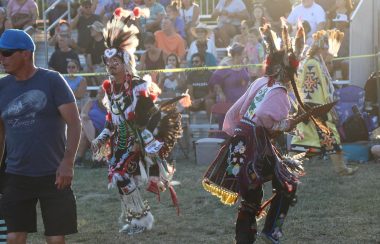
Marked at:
<point>311,12</point>
<point>229,13</point>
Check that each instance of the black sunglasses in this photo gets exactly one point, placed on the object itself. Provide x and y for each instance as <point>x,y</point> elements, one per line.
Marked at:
<point>9,52</point>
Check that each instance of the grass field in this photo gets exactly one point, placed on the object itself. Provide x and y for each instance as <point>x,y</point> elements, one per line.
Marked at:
<point>330,209</point>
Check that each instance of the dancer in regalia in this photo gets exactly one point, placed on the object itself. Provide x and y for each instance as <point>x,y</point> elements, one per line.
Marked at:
<point>249,159</point>
<point>139,134</point>
<point>316,85</point>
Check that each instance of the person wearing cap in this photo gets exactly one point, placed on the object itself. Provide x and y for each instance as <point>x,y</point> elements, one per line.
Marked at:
<point>81,21</point>
<point>42,128</point>
<point>201,33</point>
<point>95,51</point>
<point>210,59</point>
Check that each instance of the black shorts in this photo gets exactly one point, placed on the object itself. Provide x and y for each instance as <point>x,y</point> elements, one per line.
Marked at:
<point>19,202</point>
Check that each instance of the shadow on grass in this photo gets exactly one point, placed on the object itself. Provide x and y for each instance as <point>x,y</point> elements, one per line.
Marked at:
<point>330,209</point>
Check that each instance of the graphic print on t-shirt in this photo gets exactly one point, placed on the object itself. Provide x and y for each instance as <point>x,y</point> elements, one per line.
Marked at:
<point>21,111</point>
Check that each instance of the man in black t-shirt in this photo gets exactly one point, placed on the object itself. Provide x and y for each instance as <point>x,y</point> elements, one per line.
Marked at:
<point>197,83</point>
<point>84,18</point>
<point>96,50</point>
<point>61,56</point>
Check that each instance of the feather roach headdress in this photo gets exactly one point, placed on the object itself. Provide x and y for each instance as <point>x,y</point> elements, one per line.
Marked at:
<point>283,54</point>
<point>120,36</point>
<point>330,39</point>
<point>282,59</point>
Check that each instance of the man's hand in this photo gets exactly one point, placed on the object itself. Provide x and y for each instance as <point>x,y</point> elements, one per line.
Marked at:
<point>64,174</point>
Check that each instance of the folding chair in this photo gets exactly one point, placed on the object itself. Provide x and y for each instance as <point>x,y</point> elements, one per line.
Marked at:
<point>219,109</point>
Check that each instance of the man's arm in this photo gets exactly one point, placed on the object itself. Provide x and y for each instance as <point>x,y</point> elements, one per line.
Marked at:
<point>70,115</point>
<point>2,139</point>
<point>74,22</point>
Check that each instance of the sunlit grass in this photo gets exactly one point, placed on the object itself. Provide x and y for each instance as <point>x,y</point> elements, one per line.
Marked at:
<point>330,209</point>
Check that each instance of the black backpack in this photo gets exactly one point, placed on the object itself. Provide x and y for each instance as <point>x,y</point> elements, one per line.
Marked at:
<point>355,127</point>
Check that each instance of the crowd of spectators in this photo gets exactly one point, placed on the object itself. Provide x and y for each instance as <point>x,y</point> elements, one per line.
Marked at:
<point>174,36</point>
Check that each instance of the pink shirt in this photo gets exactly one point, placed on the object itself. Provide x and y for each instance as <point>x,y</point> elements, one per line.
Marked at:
<point>274,108</point>
<point>28,7</point>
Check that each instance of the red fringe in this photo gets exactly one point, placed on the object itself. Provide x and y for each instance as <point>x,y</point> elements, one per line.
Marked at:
<point>261,213</point>
<point>173,195</point>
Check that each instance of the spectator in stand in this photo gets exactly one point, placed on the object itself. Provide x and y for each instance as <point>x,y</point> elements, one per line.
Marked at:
<point>245,28</point>
<point>202,33</point>
<point>105,8</point>
<point>179,23</point>
<point>63,29</point>
<point>258,15</point>
<point>82,20</point>
<point>339,18</point>
<point>77,84</point>
<point>60,57</point>
<point>276,9</point>
<point>96,50</point>
<point>229,13</point>
<point>165,3</point>
<point>93,118</point>
<point>171,83</point>
<point>3,19</point>
<point>169,40</point>
<point>131,4</point>
<point>325,4</point>
<point>254,54</point>
<point>311,12</point>
<point>190,12</point>
<point>230,84</point>
<point>153,22</point>
<point>208,58</point>
<point>153,57</point>
<point>57,12</point>
<point>21,14</point>
<point>202,97</point>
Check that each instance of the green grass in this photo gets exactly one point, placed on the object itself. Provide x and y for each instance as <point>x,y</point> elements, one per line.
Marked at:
<point>330,209</point>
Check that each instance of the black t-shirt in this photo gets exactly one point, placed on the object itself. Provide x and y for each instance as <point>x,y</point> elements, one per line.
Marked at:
<point>199,81</point>
<point>97,50</point>
<point>278,8</point>
<point>58,60</point>
<point>84,35</point>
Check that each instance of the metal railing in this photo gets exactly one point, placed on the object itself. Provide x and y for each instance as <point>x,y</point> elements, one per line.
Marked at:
<point>206,8</point>
<point>52,25</point>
